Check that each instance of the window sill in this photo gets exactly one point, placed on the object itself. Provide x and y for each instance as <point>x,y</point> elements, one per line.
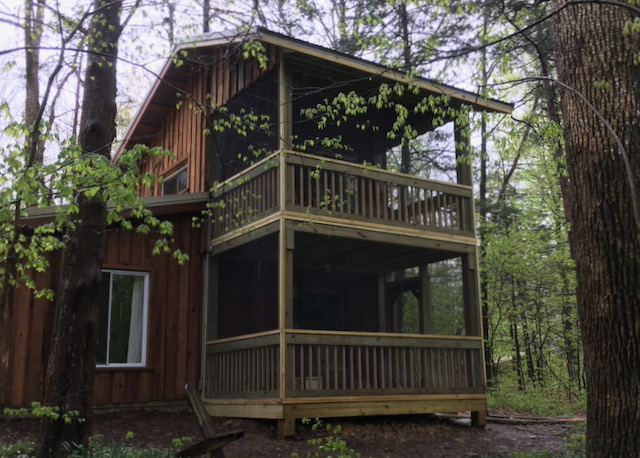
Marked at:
<point>115,368</point>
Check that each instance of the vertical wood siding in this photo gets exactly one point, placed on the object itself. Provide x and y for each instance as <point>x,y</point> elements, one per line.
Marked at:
<point>174,323</point>
<point>183,130</point>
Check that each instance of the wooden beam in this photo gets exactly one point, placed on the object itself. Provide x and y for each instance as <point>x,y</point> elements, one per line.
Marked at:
<point>211,298</point>
<point>426,310</point>
<point>471,303</point>
<point>284,106</point>
<point>382,303</point>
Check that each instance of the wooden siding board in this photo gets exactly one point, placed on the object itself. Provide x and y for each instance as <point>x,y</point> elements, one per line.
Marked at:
<point>182,303</point>
<point>102,388</point>
<point>118,387</point>
<point>144,392</point>
<point>21,334</point>
<point>156,344</point>
<point>171,330</point>
<point>195,307</point>
<point>37,364</point>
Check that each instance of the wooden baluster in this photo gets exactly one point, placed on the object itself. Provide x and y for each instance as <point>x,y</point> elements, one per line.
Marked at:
<point>398,374</point>
<point>335,367</point>
<point>369,196</point>
<point>367,368</point>
<point>382,369</point>
<point>351,379</point>
<point>344,368</point>
<point>309,365</point>
<point>359,371</point>
<point>374,359</point>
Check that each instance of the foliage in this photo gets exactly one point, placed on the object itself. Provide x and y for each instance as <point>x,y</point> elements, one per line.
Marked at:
<point>97,449</point>
<point>54,187</point>
<point>332,445</point>
<point>40,411</point>
<point>20,449</point>
<point>539,401</point>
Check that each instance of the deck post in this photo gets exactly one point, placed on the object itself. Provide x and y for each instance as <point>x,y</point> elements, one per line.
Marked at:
<point>426,312</point>
<point>284,107</point>
<point>479,418</point>
<point>287,425</point>
<point>382,303</point>
<point>470,295</point>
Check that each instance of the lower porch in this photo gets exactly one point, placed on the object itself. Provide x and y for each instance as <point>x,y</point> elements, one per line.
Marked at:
<point>292,374</point>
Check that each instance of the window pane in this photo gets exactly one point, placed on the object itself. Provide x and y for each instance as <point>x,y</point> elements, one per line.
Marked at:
<point>176,183</point>
<point>170,186</point>
<point>120,318</point>
<point>182,180</point>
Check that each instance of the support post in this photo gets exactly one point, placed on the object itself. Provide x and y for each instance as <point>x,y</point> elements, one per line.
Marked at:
<point>286,425</point>
<point>470,295</point>
<point>426,309</point>
<point>284,106</point>
<point>479,418</point>
<point>382,303</point>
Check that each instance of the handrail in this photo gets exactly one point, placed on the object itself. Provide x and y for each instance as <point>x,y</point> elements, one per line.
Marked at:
<point>325,186</point>
<point>377,173</point>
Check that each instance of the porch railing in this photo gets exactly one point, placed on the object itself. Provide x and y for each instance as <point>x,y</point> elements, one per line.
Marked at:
<point>243,367</point>
<point>327,187</point>
<point>329,364</point>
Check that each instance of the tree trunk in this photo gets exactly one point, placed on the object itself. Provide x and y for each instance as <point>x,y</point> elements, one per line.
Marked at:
<point>596,58</point>
<point>70,374</point>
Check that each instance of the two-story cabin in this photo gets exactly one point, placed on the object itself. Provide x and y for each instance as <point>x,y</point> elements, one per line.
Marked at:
<point>323,282</point>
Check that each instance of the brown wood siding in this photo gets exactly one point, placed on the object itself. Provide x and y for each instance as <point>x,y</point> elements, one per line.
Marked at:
<point>183,130</point>
<point>174,323</point>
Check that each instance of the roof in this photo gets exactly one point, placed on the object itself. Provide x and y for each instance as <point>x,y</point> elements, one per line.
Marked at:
<point>172,78</point>
<point>173,204</point>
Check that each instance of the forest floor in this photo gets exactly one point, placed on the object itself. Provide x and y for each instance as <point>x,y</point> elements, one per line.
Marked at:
<point>397,437</point>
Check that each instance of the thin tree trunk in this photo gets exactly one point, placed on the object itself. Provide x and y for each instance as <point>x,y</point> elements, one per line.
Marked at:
<point>70,373</point>
<point>596,58</point>
<point>517,358</point>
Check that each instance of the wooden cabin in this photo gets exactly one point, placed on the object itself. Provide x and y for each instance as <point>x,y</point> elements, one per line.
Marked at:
<point>325,282</point>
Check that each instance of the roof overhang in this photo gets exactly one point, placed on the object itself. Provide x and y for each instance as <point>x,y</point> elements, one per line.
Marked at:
<point>172,78</point>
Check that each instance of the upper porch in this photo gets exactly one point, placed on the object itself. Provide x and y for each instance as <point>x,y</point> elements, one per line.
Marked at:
<point>322,193</point>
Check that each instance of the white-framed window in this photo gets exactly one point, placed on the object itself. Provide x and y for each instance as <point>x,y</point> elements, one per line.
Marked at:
<point>122,320</point>
<point>176,183</point>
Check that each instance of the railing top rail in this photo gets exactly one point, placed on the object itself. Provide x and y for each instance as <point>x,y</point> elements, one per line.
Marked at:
<point>346,167</point>
<point>373,172</point>
<point>381,335</point>
<point>218,187</point>
<point>243,337</point>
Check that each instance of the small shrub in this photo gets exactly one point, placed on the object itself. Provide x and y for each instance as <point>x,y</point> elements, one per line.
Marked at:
<point>97,449</point>
<point>20,449</point>
<point>540,402</point>
<point>331,446</point>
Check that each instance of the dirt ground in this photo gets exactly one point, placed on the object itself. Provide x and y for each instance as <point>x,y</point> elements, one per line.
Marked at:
<point>397,437</point>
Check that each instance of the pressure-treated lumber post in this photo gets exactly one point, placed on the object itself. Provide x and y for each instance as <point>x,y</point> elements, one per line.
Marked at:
<point>286,425</point>
<point>470,295</point>
<point>426,312</point>
<point>382,303</point>
<point>284,104</point>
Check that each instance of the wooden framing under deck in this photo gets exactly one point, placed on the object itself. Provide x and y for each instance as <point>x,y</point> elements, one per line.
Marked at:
<point>288,410</point>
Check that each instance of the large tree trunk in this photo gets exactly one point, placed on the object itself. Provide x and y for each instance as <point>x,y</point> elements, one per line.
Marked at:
<point>592,49</point>
<point>70,370</point>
